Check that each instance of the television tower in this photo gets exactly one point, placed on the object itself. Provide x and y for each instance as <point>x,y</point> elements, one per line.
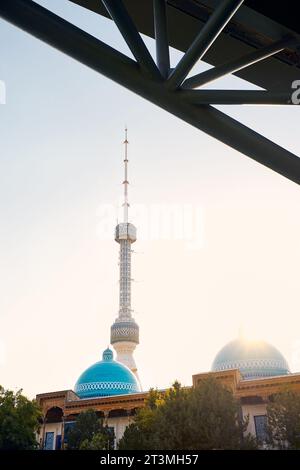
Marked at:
<point>124,335</point>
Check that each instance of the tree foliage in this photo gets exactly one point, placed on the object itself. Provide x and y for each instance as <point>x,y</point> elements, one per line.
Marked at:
<point>284,420</point>
<point>88,433</point>
<point>203,417</point>
<point>19,421</point>
<point>99,441</point>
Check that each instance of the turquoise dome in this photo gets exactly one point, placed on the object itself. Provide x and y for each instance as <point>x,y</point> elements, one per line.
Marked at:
<point>105,378</point>
<point>254,359</point>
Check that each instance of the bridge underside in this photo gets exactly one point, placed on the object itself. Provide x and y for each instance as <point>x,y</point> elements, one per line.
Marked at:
<point>253,40</point>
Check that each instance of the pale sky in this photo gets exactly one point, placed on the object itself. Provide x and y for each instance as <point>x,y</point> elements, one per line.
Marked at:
<point>61,162</point>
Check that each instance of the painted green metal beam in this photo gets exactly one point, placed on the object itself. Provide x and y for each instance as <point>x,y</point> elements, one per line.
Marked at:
<point>210,31</point>
<point>238,64</point>
<point>238,97</point>
<point>127,28</point>
<point>161,37</point>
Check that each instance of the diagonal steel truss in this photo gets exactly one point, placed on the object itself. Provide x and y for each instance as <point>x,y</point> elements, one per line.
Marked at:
<point>169,88</point>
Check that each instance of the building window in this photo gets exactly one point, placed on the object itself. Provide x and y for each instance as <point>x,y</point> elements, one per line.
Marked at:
<point>112,439</point>
<point>68,426</point>
<point>49,441</point>
<point>261,428</point>
<point>58,442</point>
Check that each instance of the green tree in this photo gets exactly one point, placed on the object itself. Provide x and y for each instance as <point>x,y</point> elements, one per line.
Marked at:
<point>88,432</point>
<point>19,421</point>
<point>99,441</point>
<point>283,426</point>
<point>139,435</point>
<point>203,417</point>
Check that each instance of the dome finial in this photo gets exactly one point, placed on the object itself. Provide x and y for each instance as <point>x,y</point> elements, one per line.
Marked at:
<point>107,355</point>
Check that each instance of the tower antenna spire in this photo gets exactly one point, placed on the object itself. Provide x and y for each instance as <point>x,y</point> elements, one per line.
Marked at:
<point>125,182</point>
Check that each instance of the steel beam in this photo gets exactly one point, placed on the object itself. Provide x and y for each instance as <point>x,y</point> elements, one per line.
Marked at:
<point>210,31</point>
<point>127,28</point>
<point>237,97</point>
<point>238,64</point>
<point>161,37</point>
<point>93,53</point>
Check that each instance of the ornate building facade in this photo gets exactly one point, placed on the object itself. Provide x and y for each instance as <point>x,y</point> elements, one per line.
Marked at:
<point>60,409</point>
<point>253,370</point>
